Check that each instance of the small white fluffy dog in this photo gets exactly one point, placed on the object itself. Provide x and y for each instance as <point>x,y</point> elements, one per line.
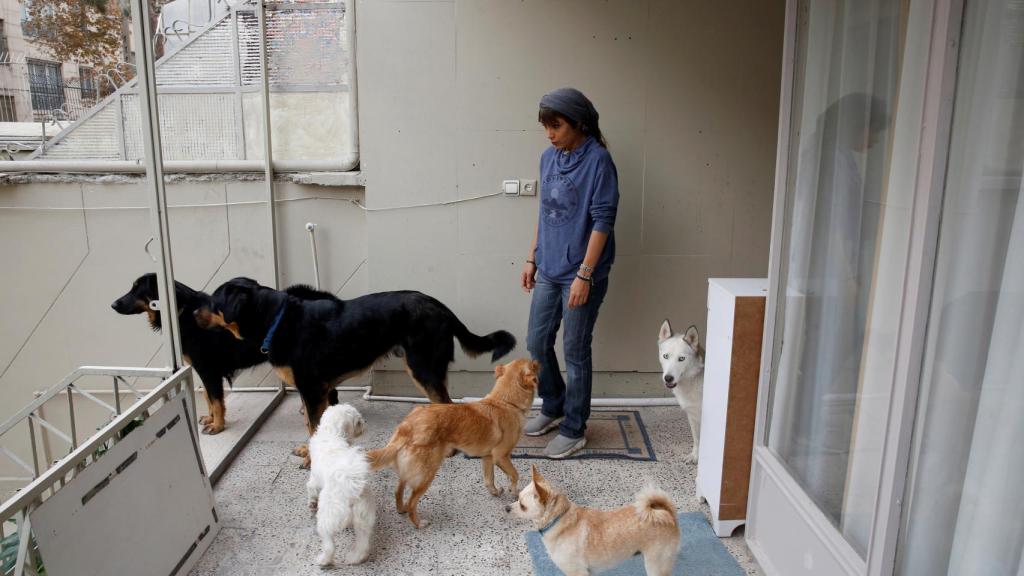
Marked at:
<point>339,487</point>
<point>682,370</point>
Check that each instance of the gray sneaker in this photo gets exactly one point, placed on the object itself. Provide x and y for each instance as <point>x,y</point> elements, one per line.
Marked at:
<point>540,425</point>
<point>563,447</point>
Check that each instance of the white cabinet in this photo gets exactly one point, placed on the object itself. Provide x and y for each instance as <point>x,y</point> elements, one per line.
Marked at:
<point>731,368</point>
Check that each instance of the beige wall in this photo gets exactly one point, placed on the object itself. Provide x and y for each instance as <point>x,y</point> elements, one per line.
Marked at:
<point>447,107</point>
<point>63,268</point>
<point>447,99</point>
<point>688,97</point>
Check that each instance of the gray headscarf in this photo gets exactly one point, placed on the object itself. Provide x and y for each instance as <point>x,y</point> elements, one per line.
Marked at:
<point>572,104</point>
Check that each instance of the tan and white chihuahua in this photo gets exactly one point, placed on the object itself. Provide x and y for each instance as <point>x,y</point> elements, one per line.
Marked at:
<point>580,539</point>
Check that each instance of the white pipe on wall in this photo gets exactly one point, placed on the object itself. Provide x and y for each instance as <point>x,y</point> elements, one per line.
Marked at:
<point>311,228</point>
<point>171,166</point>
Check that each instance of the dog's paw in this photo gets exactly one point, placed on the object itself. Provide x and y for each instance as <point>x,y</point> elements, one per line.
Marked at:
<point>324,559</point>
<point>302,451</point>
<point>421,524</point>
<point>691,458</point>
<point>354,557</point>
<point>305,463</point>
<point>495,491</point>
<point>205,419</point>
<point>212,428</point>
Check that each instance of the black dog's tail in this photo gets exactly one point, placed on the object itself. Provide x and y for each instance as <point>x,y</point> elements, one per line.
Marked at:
<point>497,343</point>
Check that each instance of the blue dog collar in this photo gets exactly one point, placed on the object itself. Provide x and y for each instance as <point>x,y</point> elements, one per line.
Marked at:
<point>265,348</point>
<point>551,524</point>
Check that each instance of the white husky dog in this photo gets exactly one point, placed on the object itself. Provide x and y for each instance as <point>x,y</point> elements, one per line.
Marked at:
<point>339,488</point>
<point>682,370</point>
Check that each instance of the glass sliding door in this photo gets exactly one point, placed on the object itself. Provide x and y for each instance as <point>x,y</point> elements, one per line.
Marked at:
<point>965,497</point>
<point>843,254</point>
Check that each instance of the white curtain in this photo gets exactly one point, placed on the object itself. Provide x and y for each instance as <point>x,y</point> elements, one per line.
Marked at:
<point>990,520</point>
<point>965,508</point>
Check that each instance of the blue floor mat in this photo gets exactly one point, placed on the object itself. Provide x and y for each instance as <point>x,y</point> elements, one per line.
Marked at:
<point>700,553</point>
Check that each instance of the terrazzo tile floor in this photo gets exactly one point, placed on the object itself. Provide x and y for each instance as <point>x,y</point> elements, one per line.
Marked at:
<point>267,528</point>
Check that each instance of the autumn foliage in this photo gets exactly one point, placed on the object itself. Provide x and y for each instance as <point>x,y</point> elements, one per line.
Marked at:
<point>88,32</point>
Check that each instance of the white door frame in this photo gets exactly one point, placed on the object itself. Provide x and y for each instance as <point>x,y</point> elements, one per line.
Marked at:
<point>786,531</point>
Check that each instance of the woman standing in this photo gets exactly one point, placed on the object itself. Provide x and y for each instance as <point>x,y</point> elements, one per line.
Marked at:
<point>569,263</point>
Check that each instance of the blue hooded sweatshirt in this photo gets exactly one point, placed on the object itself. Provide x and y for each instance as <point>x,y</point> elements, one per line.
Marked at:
<point>579,193</point>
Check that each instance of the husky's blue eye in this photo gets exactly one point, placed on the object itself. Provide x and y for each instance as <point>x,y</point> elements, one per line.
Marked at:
<point>665,356</point>
<point>682,358</point>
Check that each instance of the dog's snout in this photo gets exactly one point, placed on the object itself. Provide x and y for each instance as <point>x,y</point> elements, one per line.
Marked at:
<point>669,379</point>
<point>196,312</point>
<point>114,304</point>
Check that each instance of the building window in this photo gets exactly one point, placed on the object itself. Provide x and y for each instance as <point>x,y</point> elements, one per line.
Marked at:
<point>5,51</point>
<point>87,83</point>
<point>27,30</point>
<point>46,86</point>
<point>8,113</point>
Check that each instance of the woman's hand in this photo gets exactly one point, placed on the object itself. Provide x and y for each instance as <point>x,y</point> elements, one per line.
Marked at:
<point>528,277</point>
<point>578,293</point>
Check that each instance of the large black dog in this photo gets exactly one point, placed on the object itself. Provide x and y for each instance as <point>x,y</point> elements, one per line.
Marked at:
<point>215,355</point>
<point>314,344</point>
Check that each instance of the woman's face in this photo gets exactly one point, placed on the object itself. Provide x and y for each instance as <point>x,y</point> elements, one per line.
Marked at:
<point>563,135</point>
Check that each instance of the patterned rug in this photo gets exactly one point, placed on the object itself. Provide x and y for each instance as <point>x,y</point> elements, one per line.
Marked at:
<point>611,434</point>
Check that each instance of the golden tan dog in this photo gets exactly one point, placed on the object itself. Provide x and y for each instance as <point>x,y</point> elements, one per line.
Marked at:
<point>488,428</point>
<point>580,539</point>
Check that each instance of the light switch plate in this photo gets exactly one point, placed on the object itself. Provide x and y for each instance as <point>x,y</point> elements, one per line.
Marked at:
<point>510,187</point>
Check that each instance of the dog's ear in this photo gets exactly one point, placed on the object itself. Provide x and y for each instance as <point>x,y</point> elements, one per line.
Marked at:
<point>535,366</point>
<point>692,337</point>
<point>540,486</point>
<point>233,307</point>
<point>666,331</point>
<point>543,495</point>
<point>528,380</point>
<point>536,476</point>
<point>499,370</point>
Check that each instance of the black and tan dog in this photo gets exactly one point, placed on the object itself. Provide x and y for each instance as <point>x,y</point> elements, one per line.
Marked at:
<point>313,345</point>
<point>215,355</point>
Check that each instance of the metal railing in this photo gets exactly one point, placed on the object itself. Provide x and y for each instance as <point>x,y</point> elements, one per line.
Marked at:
<point>26,95</point>
<point>42,484</point>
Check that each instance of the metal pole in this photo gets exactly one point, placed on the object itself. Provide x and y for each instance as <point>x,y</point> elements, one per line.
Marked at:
<point>311,227</point>
<point>35,451</point>
<point>71,418</point>
<point>117,396</point>
<point>153,156</point>
<point>44,437</point>
<point>268,154</point>
<point>25,554</point>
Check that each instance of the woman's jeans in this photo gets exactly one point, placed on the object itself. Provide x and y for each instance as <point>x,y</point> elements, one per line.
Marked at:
<point>549,307</point>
